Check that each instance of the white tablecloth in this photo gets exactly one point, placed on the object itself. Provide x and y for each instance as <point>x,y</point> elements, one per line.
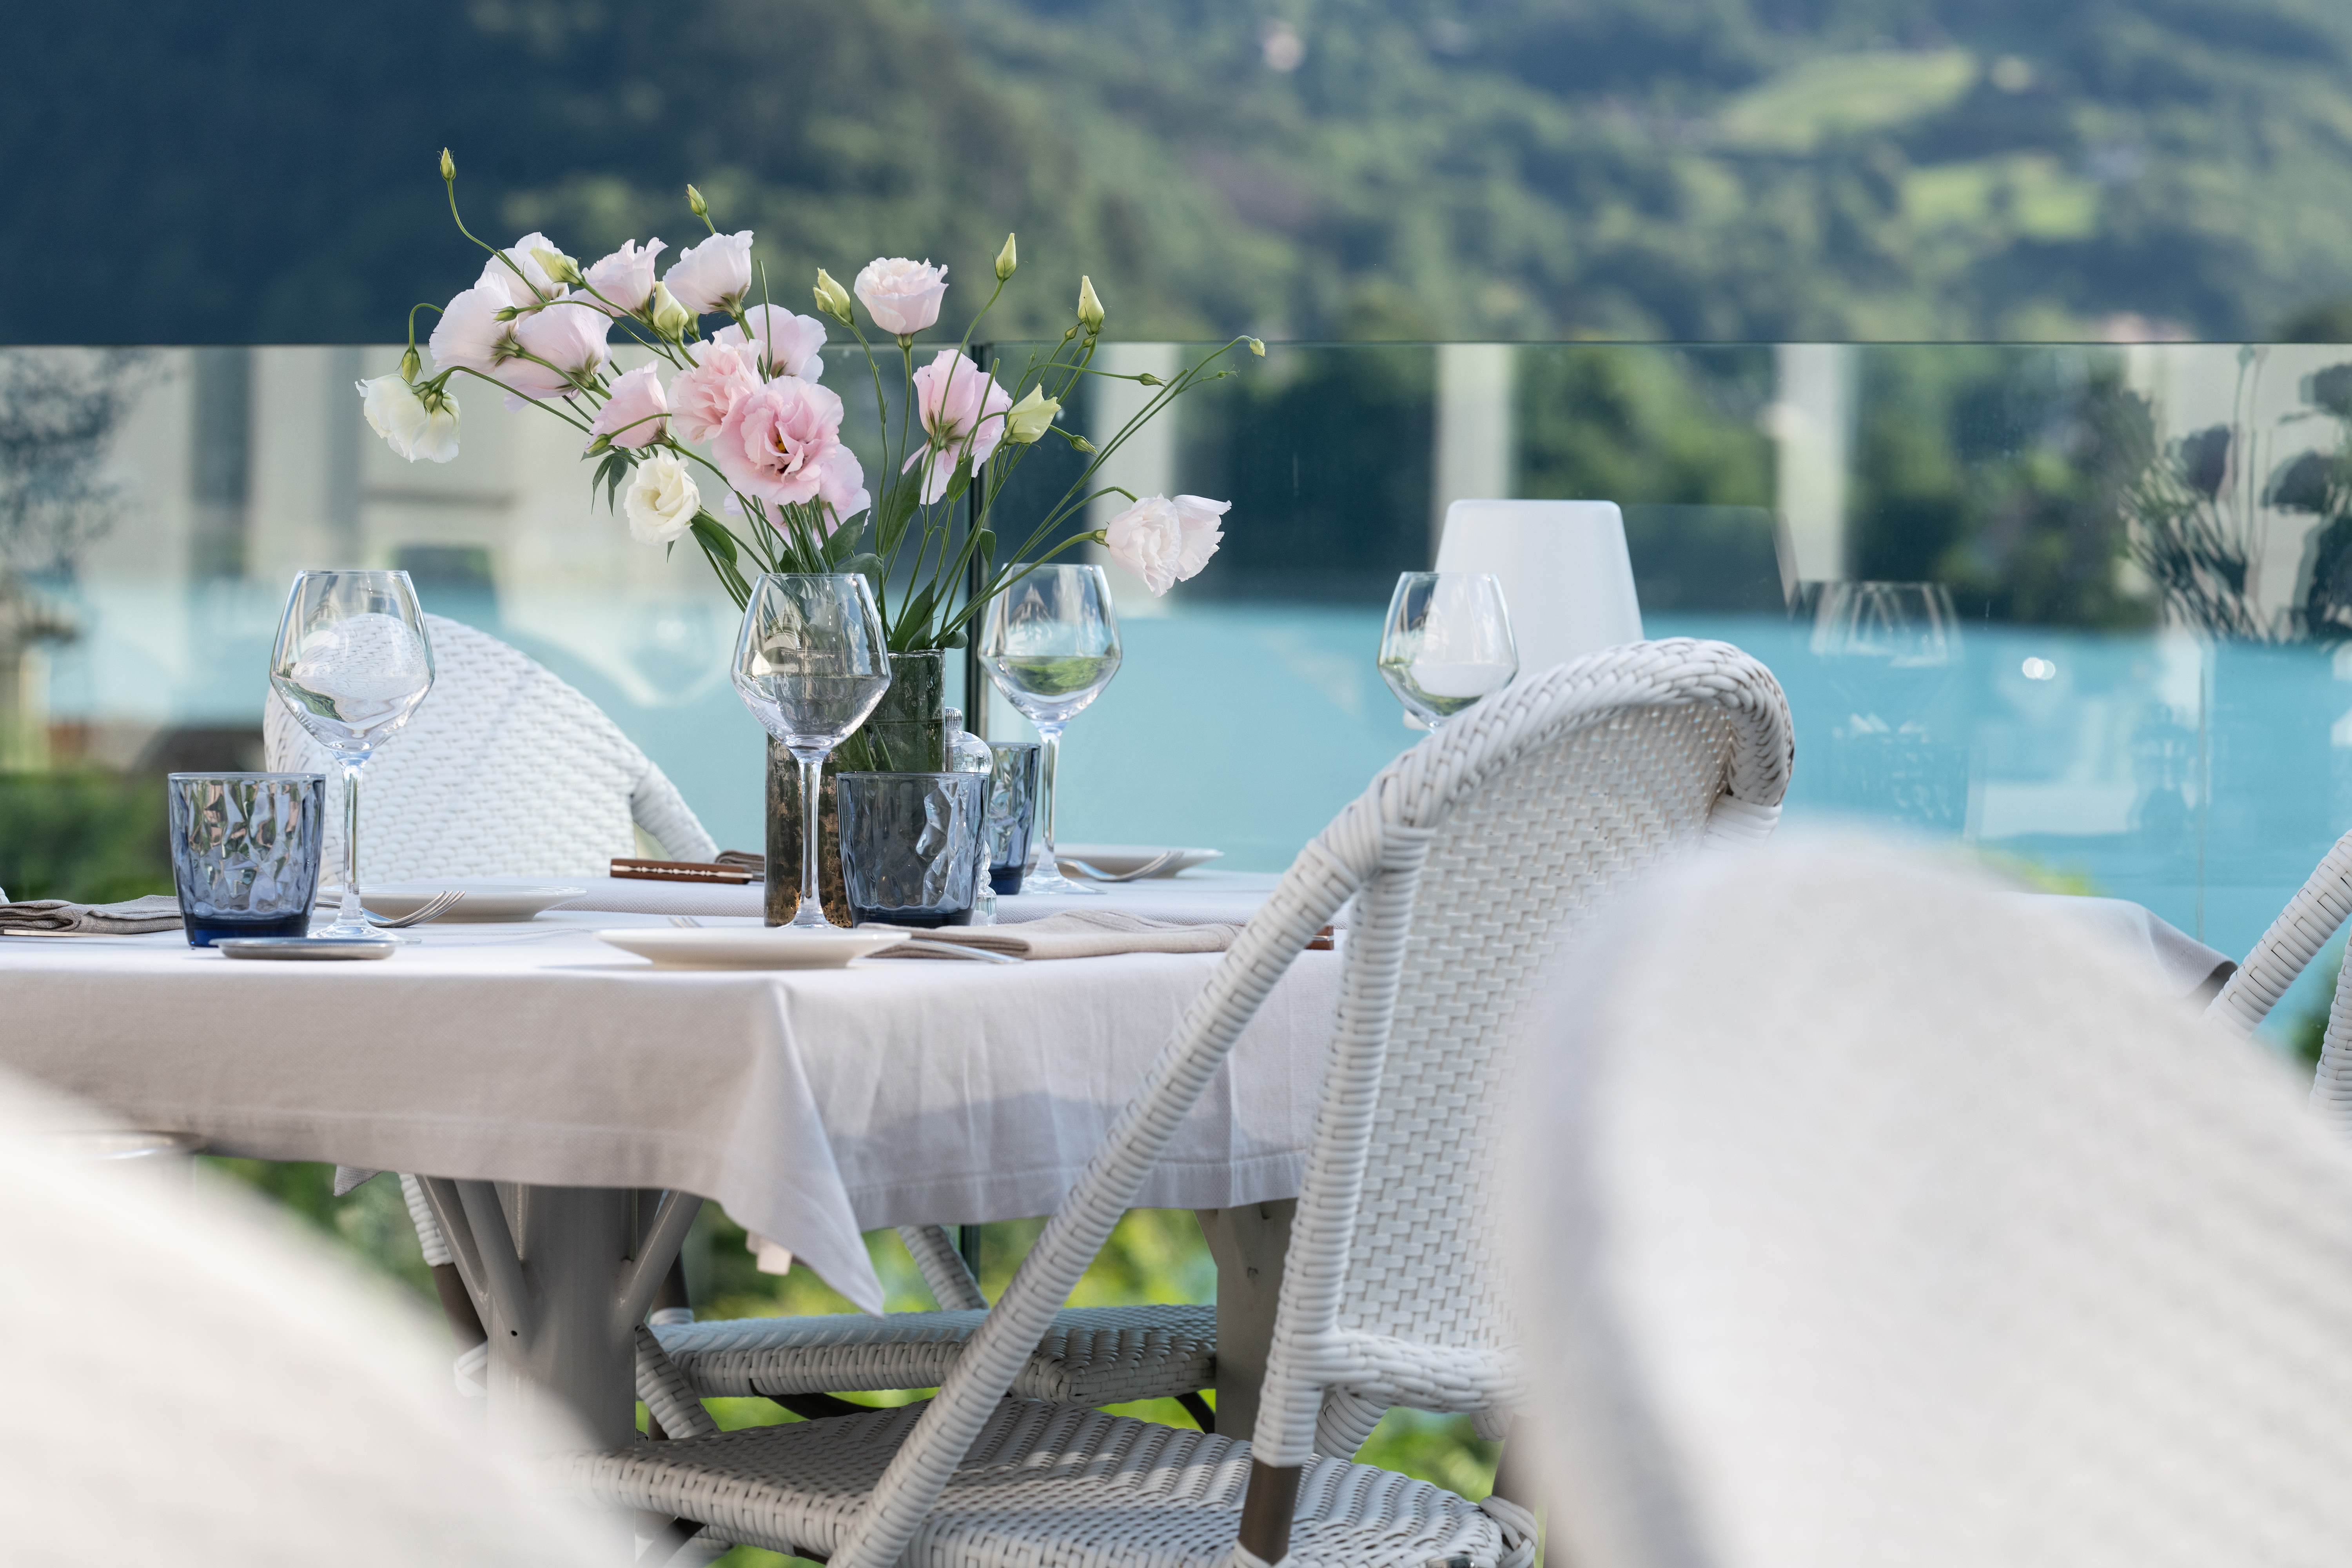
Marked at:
<point>813,1105</point>
<point>1191,897</point>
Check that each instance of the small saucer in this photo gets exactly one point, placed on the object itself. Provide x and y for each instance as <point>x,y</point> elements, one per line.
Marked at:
<point>303,947</point>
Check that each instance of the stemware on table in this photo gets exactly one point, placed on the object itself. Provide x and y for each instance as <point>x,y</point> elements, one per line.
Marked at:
<point>1447,643</point>
<point>352,663</point>
<point>810,663</point>
<point>1050,642</point>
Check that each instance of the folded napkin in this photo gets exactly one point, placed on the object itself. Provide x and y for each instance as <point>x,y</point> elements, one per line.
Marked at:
<point>1081,933</point>
<point>157,911</point>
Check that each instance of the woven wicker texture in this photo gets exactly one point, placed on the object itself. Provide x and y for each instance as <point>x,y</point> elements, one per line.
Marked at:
<point>1043,1483</point>
<point>1091,1355</point>
<point>1886,1221</point>
<point>504,772</point>
<point>2317,912</point>
<point>1065,1501</point>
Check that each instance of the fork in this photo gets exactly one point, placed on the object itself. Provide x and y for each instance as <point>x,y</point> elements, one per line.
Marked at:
<point>432,909</point>
<point>1147,868</point>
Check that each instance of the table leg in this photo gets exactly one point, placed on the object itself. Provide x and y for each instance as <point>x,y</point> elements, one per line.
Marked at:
<point>1249,1244</point>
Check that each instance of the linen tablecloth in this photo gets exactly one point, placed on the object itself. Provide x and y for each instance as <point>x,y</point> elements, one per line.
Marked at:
<point>813,1104</point>
<point>1193,898</point>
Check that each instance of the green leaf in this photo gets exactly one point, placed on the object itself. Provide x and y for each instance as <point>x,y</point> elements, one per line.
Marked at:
<point>609,473</point>
<point>715,539</point>
<point>918,613</point>
<point>898,511</point>
<point>983,548</point>
<point>958,482</point>
<point>953,639</point>
<point>843,544</point>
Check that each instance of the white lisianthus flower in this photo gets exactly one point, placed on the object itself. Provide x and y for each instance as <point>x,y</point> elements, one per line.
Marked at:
<point>395,412</point>
<point>625,277</point>
<point>526,282</point>
<point>902,295</point>
<point>661,500</point>
<point>1165,541</point>
<point>714,275</point>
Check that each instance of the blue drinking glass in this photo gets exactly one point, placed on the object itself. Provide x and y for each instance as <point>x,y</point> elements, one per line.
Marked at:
<point>1011,809</point>
<point>910,846</point>
<point>245,852</point>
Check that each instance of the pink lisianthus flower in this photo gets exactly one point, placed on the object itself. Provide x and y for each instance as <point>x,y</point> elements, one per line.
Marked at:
<point>963,412</point>
<point>633,415</point>
<point>902,295</point>
<point>568,337</point>
<point>776,440</point>
<point>714,275</point>
<point>1165,541</point>
<point>701,398</point>
<point>840,492</point>
<point>626,278</point>
<point>469,334</point>
<point>787,343</point>
<point>533,286</point>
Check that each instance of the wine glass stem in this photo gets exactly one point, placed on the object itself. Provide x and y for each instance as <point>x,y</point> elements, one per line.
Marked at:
<point>350,916</point>
<point>811,910</point>
<point>1049,766</point>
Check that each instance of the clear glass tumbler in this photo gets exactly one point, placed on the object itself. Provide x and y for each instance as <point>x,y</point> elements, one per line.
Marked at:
<point>910,846</point>
<point>245,852</point>
<point>1011,809</point>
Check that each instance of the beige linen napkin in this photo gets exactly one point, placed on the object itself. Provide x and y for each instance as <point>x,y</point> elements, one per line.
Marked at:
<point>1081,933</point>
<point>55,917</point>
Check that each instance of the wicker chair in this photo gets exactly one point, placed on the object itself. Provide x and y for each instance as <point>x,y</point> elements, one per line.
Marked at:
<point>1469,860</point>
<point>1877,1220</point>
<point>505,770</point>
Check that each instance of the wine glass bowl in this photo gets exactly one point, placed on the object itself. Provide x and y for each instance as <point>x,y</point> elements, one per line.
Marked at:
<point>1050,642</point>
<point>810,663</point>
<point>1447,643</point>
<point>352,663</point>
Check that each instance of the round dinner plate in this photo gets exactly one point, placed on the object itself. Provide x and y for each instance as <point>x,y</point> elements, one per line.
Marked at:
<point>486,898</point>
<point>1120,859</point>
<point>748,947</point>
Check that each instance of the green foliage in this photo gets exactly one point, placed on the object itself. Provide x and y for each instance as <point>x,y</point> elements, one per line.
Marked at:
<point>90,836</point>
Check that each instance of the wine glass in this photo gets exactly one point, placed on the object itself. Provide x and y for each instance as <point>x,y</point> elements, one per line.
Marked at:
<point>1050,641</point>
<point>352,663</point>
<point>1447,643</point>
<point>810,663</point>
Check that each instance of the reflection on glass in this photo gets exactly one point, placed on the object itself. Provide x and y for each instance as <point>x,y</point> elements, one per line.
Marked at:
<point>1447,643</point>
<point>1891,645</point>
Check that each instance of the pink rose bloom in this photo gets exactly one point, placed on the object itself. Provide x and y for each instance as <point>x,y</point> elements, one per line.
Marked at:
<point>632,416</point>
<point>569,339</point>
<point>625,277</point>
<point>903,296</point>
<point>776,440</point>
<point>1164,542</point>
<point>788,343</point>
<point>963,410</point>
<point>499,279</point>
<point>714,275</point>
<point>701,398</point>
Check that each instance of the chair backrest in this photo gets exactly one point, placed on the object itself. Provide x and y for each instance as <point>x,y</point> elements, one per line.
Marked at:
<point>1872,1218</point>
<point>2315,914</point>
<point>504,771</point>
<point>1564,569</point>
<point>1589,749</point>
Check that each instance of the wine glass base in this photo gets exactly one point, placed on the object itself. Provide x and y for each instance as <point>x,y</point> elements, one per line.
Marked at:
<point>358,931</point>
<point>1055,884</point>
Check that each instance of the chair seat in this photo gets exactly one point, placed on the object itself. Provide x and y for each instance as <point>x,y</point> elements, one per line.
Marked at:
<point>1092,1355</point>
<point>1044,1485</point>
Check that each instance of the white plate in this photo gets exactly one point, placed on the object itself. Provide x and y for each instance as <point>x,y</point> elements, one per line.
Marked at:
<point>1120,859</point>
<point>748,947</point>
<point>486,898</point>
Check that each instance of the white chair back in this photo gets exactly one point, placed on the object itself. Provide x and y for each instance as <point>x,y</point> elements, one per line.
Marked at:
<point>1880,1219</point>
<point>1564,569</point>
<point>504,771</point>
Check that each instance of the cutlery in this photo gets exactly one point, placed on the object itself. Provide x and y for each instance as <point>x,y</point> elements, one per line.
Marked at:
<point>688,921</point>
<point>432,909</point>
<point>1155,863</point>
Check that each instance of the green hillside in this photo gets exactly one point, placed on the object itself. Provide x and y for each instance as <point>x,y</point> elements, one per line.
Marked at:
<point>1689,169</point>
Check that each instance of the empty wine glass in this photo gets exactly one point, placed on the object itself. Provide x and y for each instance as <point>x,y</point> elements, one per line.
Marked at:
<point>810,663</point>
<point>352,663</point>
<point>1447,643</point>
<point>1050,642</point>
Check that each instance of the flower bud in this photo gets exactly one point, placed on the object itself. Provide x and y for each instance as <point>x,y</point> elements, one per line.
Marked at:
<point>832,297</point>
<point>694,203</point>
<point>1007,259</point>
<point>1082,445</point>
<point>1148,379</point>
<point>1091,311</point>
<point>410,364</point>
<point>1030,417</point>
<point>508,312</point>
<point>669,318</point>
<point>1257,348</point>
<point>448,167</point>
<point>557,266</point>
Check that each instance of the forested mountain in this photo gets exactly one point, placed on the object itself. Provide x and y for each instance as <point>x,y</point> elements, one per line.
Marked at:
<point>1692,169</point>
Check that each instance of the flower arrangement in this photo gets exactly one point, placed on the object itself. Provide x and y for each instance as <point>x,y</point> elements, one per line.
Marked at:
<point>538,326</point>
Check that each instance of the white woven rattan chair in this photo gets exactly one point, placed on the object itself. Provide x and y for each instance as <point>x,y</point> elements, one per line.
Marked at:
<point>1469,858</point>
<point>1879,1220</point>
<point>505,770</point>
<point>2315,913</point>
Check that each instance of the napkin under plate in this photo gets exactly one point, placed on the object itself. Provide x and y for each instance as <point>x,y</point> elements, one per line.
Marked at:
<point>1081,933</point>
<point>56,917</point>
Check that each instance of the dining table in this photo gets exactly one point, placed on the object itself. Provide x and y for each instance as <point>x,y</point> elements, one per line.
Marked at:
<point>572,1104</point>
